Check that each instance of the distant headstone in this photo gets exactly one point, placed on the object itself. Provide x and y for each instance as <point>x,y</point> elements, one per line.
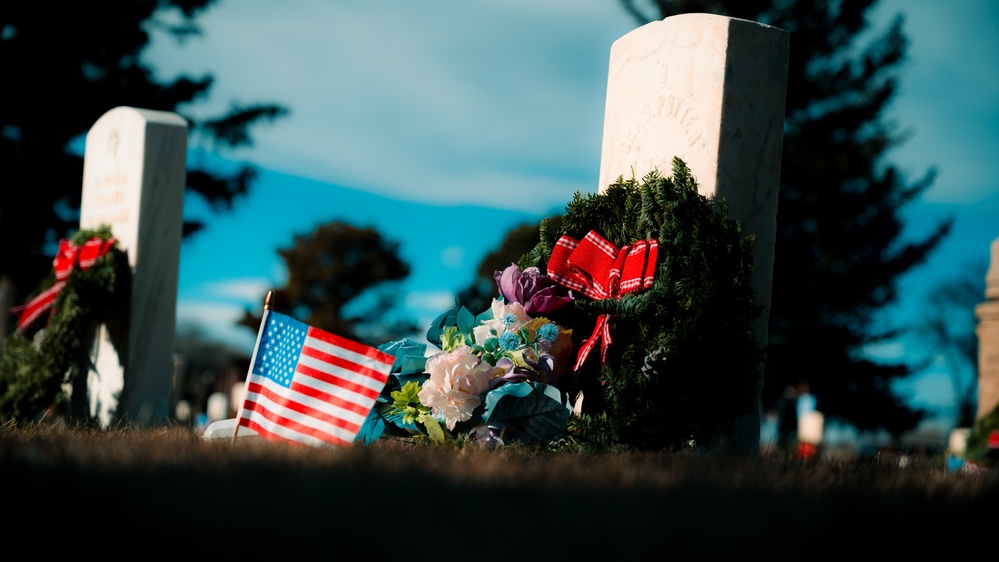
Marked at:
<point>988,338</point>
<point>957,441</point>
<point>218,406</point>
<point>810,427</point>
<point>236,392</point>
<point>133,180</point>
<point>710,90</point>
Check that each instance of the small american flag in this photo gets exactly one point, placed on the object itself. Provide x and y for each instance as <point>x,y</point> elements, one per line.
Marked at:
<point>310,386</point>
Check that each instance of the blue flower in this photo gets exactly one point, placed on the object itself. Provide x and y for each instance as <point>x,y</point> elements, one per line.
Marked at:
<point>509,341</point>
<point>509,319</point>
<point>548,332</point>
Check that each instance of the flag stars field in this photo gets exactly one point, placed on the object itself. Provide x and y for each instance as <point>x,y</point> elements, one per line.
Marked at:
<point>281,343</point>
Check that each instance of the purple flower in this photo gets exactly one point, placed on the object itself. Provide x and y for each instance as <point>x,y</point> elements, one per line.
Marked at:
<point>538,293</point>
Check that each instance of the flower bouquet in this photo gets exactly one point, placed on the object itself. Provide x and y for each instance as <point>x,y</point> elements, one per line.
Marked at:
<point>629,325</point>
<point>495,378</point>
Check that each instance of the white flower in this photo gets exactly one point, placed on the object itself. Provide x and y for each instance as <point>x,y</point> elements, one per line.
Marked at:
<point>457,379</point>
<point>507,317</point>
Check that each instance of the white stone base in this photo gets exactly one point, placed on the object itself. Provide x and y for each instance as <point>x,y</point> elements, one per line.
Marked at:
<point>222,429</point>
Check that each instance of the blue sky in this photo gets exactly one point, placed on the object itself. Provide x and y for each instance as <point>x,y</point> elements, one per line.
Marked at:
<point>443,124</point>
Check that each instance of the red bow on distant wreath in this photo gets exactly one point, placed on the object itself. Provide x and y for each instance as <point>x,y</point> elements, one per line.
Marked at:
<point>595,267</point>
<point>68,257</point>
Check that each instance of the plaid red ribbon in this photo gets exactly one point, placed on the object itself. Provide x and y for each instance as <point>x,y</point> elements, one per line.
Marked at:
<point>69,257</point>
<point>598,269</point>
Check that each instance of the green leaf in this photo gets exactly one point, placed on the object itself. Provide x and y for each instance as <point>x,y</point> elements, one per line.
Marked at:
<point>371,429</point>
<point>451,339</point>
<point>406,407</point>
<point>466,321</point>
<point>436,330</point>
<point>434,430</point>
<point>486,314</point>
<point>535,411</point>
<point>491,344</point>
<point>410,355</point>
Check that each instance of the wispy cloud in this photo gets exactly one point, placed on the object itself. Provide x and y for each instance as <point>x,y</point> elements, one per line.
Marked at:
<point>217,321</point>
<point>239,290</point>
<point>437,101</point>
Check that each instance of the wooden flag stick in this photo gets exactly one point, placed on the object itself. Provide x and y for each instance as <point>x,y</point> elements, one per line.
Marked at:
<point>246,384</point>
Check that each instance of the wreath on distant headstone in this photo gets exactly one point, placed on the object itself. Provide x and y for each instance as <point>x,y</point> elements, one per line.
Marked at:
<point>679,359</point>
<point>90,285</point>
<point>983,442</point>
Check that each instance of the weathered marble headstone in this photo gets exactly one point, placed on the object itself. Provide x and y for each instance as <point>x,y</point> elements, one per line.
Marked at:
<point>988,339</point>
<point>711,90</point>
<point>133,180</point>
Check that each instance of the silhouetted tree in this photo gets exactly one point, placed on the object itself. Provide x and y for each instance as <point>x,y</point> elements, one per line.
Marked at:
<point>64,66</point>
<point>341,278</point>
<point>839,255</point>
<point>949,324</point>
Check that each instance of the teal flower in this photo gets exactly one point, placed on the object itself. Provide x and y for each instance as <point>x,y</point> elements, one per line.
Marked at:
<point>548,332</point>
<point>509,319</point>
<point>508,341</point>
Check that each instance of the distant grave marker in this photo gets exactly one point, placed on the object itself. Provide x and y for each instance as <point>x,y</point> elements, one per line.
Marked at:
<point>988,338</point>
<point>710,90</point>
<point>133,180</point>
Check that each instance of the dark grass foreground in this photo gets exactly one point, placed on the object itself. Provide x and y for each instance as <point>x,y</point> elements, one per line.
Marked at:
<point>170,494</point>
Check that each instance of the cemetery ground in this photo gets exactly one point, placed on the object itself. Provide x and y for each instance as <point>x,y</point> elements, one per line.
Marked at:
<point>170,491</point>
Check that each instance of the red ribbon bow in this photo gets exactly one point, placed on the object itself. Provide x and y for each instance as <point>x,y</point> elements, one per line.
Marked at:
<point>68,257</point>
<point>595,267</point>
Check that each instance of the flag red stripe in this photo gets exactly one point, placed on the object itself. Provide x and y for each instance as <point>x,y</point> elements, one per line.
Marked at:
<point>309,411</point>
<point>283,422</point>
<point>345,364</point>
<point>352,346</point>
<point>332,379</point>
<point>313,392</point>
<point>285,408</point>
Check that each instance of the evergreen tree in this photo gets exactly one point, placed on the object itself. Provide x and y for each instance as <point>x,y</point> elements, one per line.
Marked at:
<point>64,66</point>
<point>341,278</point>
<point>839,255</point>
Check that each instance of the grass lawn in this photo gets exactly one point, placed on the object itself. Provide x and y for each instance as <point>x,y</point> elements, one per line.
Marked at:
<point>169,492</point>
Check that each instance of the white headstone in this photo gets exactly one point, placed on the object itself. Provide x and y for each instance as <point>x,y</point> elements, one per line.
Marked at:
<point>988,338</point>
<point>133,180</point>
<point>710,90</point>
<point>218,406</point>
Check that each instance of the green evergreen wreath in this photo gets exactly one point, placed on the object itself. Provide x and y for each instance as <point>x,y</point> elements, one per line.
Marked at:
<point>684,361</point>
<point>37,362</point>
<point>977,448</point>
